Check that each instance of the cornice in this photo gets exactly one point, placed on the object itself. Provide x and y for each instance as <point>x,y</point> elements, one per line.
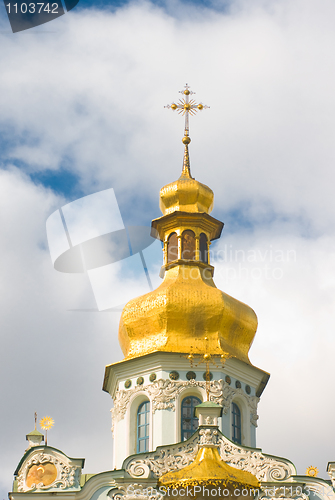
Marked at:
<point>166,361</point>
<point>169,222</point>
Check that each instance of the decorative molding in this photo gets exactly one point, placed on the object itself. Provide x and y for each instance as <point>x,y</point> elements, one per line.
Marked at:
<point>136,492</point>
<point>67,474</point>
<point>163,460</point>
<point>163,395</point>
<point>208,437</point>
<point>331,472</point>
<point>175,457</point>
<point>263,467</point>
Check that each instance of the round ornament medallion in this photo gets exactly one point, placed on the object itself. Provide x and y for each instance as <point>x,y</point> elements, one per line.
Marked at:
<point>41,473</point>
<point>127,383</point>
<point>174,375</point>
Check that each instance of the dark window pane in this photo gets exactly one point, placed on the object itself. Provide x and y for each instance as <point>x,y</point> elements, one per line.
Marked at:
<point>188,245</point>
<point>172,250</point>
<point>203,248</point>
<point>189,423</point>
<point>236,424</point>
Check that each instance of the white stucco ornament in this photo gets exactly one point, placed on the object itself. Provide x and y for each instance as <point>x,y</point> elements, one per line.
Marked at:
<point>163,394</point>
<point>175,457</point>
<point>65,472</point>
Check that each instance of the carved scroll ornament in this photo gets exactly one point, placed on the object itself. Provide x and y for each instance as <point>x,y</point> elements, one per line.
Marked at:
<point>67,474</point>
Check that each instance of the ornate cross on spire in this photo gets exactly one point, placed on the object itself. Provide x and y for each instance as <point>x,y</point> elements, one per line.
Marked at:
<point>186,107</point>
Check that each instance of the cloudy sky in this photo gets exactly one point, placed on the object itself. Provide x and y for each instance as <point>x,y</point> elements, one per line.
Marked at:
<point>81,110</point>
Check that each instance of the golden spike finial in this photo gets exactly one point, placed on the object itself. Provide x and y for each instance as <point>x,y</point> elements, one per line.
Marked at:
<point>186,107</point>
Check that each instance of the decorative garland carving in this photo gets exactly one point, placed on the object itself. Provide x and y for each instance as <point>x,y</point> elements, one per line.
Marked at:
<point>67,475</point>
<point>163,394</point>
<point>178,456</point>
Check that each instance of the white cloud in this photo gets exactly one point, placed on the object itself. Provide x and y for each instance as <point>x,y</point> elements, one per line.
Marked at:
<point>97,101</point>
<point>90,97</point>
<point>53,359</point>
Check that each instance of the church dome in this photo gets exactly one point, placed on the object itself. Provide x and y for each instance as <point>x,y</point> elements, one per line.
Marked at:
<point>187,313</point>
<point>186,194</point>
<point>208,469</point>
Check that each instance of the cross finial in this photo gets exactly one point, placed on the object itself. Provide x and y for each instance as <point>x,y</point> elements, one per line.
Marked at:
<point>208,359</point>
<point>35,416</point>
<point>186,107</point>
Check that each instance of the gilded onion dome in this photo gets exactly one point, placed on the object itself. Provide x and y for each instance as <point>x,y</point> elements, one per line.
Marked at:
<point>187,313</point>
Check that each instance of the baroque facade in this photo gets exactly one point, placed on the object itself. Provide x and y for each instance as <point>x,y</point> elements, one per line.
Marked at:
<point>185,396</point>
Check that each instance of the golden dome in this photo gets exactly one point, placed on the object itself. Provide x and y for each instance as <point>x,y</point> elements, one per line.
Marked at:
<point>208,469</point>
<point>187,313</point>
<point>186,194</point>
<point>182,312</point>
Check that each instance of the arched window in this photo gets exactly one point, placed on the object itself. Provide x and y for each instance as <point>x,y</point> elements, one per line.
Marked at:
<point>236,423</point>
<point>189,423</point>
<point>203,248</point>
<point>188,245</point>
<point>143,414</point>
<point>172,249</point>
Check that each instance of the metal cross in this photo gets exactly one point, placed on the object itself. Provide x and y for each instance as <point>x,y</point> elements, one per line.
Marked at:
<point>198,359</point>
<point>186,107</point>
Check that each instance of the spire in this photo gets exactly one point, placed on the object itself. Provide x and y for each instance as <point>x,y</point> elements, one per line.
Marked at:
<point>186,172</point>
<point>186,107</point>
<point>34,437</point>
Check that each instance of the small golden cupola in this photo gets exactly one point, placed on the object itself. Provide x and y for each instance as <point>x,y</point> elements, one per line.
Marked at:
<point>187,313</point>
<point>207,470</point>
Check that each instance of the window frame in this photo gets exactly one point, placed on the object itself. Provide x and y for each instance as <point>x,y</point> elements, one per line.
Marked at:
<point>183,431</point>
<point>236,423</point>
<point>146,437</point>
